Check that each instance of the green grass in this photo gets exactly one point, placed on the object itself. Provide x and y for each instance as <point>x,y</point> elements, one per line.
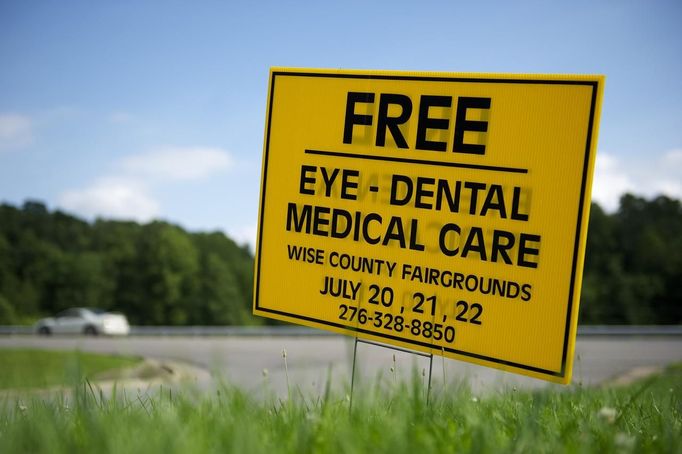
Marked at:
<point>23,368</point>
<point>643,417</point>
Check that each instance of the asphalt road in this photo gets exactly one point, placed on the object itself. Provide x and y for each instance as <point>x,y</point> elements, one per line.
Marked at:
<point>257,364</point>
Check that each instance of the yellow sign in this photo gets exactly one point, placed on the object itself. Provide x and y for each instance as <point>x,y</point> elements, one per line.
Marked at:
<point>441,212</point>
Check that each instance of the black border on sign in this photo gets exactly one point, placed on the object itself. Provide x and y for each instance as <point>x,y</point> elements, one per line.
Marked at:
<point>581,207</point>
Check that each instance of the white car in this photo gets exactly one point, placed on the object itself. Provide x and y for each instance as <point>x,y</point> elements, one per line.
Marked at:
<point>82,320</point>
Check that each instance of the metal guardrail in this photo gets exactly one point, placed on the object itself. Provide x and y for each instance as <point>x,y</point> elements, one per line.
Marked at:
<point>15,329</point>
<point>269,331</point>
<point>630,330</point>
<point>262,331</point>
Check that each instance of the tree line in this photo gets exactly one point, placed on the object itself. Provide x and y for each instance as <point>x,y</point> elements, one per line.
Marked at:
<point>160,274</point>
<point>633,263</point>
<point>157,273</point>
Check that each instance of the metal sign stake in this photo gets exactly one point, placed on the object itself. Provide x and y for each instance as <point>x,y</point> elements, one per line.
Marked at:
<point>404,350</point>
<point>352,377</point>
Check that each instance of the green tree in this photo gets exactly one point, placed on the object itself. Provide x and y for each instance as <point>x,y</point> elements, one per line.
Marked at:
<point>219,301</point>
<point>633,267</point>
<point>78,280</point>
<point>155,273</point>
<point>227,280</point>
<point>7,313</point>
<point>166,275</point>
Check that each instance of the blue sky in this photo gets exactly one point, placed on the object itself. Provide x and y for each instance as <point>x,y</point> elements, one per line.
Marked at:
<point>144,109</point>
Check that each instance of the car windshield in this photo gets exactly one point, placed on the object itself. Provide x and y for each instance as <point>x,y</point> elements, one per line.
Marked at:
<point>68,313</point>
<point>96,310</point>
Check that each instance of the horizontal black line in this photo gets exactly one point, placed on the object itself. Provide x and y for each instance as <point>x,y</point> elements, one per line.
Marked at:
<point>485,80</point>
<point>460,165</point>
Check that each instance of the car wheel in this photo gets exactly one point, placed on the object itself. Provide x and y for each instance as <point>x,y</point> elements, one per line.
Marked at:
<point>44,331</point>
<point>90,331</point>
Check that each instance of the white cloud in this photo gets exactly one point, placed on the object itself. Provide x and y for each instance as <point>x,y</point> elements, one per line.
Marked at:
<point>121,118</point>
<point>669,187</point>
<point>113,197</point>
<point>649,177</point>
<point>125,194</point>
<point>194,163</point>
<point>673,158</point>
<point>244,235</point>
<point>15,131</point>
<point>610,181</point>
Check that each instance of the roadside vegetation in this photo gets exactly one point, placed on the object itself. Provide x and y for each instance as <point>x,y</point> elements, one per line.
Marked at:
<point>26,369</point>
<point>160,274</point>
<point>395,417</point>
<point>156,273</point>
